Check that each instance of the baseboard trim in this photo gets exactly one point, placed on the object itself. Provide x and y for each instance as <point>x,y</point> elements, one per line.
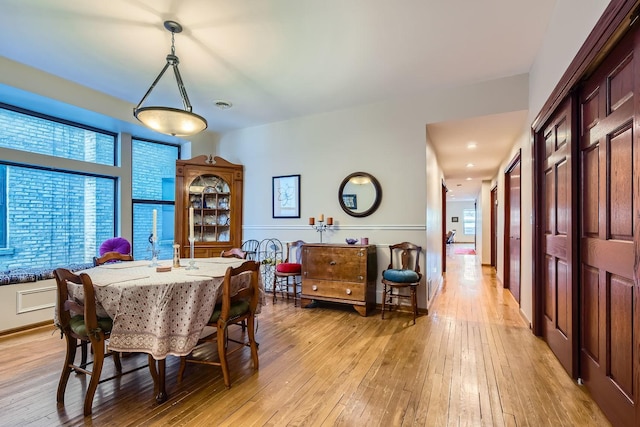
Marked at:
<point>26,327</point>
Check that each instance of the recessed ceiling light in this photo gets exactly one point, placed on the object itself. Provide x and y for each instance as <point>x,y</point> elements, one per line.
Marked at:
<point>470,165</point>
<point>469,179</point>
<point>223,105</point>
<point>472,145</point>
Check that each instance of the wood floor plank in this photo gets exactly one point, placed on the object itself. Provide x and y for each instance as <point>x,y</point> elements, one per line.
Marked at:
<point>472,361</point>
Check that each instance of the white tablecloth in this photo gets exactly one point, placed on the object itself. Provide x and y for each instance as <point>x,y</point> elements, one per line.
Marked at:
<point>159,313</point>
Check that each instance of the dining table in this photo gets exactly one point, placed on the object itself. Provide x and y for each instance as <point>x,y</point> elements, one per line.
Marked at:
<point>159,309</point>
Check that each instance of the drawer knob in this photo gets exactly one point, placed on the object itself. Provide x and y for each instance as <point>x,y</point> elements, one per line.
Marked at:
<point>348,291</point>
<point>360,277</point>
<point>314,287</point>
<point>332,263</point>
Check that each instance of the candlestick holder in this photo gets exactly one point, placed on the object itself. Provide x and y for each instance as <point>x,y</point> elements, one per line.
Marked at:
<point>321,227</point>
<point>192,261</point>
<point>154,251</point>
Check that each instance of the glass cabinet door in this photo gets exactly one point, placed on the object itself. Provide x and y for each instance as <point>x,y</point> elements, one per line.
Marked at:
<point>210,198</point>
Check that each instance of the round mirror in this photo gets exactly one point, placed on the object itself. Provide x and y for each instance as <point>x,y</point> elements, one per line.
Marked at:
<point>360,194</point>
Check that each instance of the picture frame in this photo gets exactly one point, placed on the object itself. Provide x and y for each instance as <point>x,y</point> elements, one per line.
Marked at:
<point>285,196</point>
<point>454,219</point>
<point>350,201</point>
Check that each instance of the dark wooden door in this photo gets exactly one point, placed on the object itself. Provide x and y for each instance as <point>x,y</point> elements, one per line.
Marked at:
<point>559,297</point>
<point>512,228</point>
<point>494,225</point>
<point>610,294</point>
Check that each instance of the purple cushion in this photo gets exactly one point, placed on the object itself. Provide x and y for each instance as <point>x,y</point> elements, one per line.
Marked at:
<point>115,244</point>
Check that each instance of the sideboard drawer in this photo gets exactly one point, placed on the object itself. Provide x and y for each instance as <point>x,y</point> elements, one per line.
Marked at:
<point>339,290</point>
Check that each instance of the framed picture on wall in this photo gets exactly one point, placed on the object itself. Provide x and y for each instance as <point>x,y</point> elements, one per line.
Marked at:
<point>285,200</point>
<point>454,219</point>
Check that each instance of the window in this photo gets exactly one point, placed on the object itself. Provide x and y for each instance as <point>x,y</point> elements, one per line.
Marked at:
<point>37,133</point>
<point>153,181</point>
<point>3,206</point>
<point>469,221</point>
<point>51,215</point>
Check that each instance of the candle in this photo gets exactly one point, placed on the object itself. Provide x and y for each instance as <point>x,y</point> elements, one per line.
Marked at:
<point>154,228</point>
<point>190,223</point>
<point>330,220</point>
<point>321,217</point>
<point>312,221</point>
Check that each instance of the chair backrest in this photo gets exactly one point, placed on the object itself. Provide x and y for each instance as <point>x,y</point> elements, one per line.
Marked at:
<point>251,249</point>
<point>65,304</point>
<point>405,256</point>
<point>234,253</point>
<point>294,252</point>
<point>250,292</point>
<point>111,257</point>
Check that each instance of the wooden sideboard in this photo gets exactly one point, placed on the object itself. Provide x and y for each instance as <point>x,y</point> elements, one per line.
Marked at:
<point>340,273</point>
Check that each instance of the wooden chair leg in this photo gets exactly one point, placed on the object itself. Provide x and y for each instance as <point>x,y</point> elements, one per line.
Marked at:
<point>384,298</point>
<point>275,281</point>
<point>83,361</point>
<point>222,353</point>
<point>98,359</point>
<point>72,345</point>
<point>414,303</point>
<point>252,341</point>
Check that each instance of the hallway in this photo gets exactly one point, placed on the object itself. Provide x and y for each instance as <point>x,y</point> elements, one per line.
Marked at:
<point>503,367</point>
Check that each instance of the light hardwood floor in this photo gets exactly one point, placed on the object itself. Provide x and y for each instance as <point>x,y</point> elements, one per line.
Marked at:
<point>471,361</point>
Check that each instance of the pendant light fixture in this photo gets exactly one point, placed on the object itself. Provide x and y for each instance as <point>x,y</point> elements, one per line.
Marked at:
<point>171,121</point>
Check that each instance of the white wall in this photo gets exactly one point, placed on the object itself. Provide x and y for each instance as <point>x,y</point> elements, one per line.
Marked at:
<point>569,27</point>
<point>455,209</point>
<point>383,139</point>
<point>386,139</point>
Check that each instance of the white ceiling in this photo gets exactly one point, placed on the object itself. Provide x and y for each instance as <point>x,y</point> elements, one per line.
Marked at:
<point>279,59</point>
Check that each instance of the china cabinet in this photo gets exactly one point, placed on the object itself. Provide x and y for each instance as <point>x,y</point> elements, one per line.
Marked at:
<point>213,188</point>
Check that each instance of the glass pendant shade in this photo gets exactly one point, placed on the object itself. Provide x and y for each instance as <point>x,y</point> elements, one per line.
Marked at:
<point>171,121</point>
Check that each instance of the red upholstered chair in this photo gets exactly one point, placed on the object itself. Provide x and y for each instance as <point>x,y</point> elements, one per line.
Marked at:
<point>288,273</point>
<point>403,272</point>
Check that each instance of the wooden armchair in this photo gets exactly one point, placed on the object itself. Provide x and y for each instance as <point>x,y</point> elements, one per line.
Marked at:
<point>78,322</point>
<point>234,309</point>
<point>111,257</point>
<point>234,253</point>
<point>403,272</point>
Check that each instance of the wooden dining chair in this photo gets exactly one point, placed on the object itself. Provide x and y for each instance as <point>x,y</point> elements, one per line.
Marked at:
<point>403,272</point>
<point>112,256</point>
<point>78,321</point>
<point>234,253</point>
<point>289,272</point>
<point>234,309</point>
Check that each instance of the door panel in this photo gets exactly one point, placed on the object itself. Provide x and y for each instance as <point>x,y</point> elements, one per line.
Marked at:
<point>512,227</point>
<point>558,287</point>
<point>609,160</point>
